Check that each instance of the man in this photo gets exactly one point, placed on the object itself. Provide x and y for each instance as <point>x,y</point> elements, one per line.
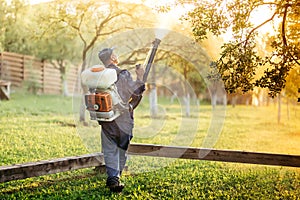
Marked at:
<point>116,135</point>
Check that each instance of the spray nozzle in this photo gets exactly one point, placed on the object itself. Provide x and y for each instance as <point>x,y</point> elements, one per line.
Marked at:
<point>156,42</point>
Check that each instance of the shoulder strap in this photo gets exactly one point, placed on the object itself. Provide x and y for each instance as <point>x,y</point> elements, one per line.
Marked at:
<point>118,70</point>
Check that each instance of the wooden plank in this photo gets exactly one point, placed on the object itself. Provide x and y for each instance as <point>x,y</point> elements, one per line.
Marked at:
<point>51,67</point>
<point>72,76</point>
<point>11,74</point>
<point>14,68</point>
<point>13,59</point>
<point>215,155</point>
<point>5,90</point>
<point>15,80</point>
<point>53,91</point>
<point>15,56</point>
<point>53,78</point>
<point>34,169</point>
<point>33,73</point>
<point>52,84</point>
<point>32,64</point>
<point>11,63</point>
<point>5,53</point>
<point>22,171</point>
<point>27,57</point>
<point>51,73</point>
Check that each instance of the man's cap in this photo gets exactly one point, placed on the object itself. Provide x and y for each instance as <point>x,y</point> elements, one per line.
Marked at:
<point>105,54</point>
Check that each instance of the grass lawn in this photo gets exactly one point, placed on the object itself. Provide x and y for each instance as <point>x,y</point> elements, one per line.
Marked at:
<point>36,128</point>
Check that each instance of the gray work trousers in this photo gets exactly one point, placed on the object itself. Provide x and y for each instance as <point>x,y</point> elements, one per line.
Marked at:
<point>114,156</point>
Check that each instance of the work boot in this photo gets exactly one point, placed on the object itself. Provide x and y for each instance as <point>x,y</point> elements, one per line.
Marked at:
<point>114,185</point>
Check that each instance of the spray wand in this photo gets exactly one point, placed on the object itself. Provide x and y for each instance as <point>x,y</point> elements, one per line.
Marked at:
<point>150,58</point>
<point>135,99</point>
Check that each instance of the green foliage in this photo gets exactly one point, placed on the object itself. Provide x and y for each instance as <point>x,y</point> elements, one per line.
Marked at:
<point>94,21</point>
<point>3,10</point>
<point>219,16</point>
<point>237,65</point>
<point>66,30</point>
<point>189,72</point>
<point>17,34</point>
<point>293,83</point>
<point>32,86</point>
<point>54,41</point>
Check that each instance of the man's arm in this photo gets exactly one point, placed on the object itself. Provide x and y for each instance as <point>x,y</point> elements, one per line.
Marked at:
<point>139,72</point>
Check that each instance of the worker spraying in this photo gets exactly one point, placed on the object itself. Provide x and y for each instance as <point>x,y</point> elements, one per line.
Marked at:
<point>111,95</point>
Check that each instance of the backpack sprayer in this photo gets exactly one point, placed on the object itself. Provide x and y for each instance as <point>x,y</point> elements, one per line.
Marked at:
<point>103,100</point>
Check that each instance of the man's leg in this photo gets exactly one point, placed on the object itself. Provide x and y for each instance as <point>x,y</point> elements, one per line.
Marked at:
<point>122,159</point>
<point>112,163</point>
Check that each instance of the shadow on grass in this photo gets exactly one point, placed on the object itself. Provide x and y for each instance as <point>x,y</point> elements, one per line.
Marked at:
<point>87,185</point>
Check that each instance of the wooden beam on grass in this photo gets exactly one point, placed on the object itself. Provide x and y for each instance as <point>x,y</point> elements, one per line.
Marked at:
<point>34,169</point>
<point>215,155</point>
<point>26,170</point>
<point>4,90</point>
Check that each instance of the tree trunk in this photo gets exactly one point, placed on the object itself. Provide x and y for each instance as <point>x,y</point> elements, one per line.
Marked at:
<point>82,104</point>
<point>288,108</point>
<point>65,87</point>
<point>153,101</point>
<point>187,105</point>
<point>234,100</point>
<point>62,66</point>
<point>153,94</point>
<point>173,97</point>
<point>186,97</point>
<point>82,110</point>
<point>214,98</point>
<point>279,108</point>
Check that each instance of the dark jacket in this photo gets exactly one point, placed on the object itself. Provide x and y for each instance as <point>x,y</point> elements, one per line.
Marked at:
<point>120,130</point>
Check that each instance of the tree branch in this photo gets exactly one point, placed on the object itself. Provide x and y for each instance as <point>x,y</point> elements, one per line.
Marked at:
<point>284,33</point>
<point>79,29</point>
<point>257,27</point>
<point>283,26</point>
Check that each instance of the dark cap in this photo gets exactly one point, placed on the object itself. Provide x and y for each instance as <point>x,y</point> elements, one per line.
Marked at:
<point>105,54</point>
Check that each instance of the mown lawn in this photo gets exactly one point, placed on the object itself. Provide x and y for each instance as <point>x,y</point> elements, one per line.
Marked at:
<point>43,127</point>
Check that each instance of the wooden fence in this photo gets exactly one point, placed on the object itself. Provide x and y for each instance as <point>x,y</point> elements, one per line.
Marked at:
<point>26,170</point>
<point>22,70</point>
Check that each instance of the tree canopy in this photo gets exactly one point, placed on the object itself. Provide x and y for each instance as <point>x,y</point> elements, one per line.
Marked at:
<point>240,60</point>
<point>68,30</point>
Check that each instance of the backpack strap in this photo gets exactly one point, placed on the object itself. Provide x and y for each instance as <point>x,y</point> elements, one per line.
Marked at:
<point>118,70</point>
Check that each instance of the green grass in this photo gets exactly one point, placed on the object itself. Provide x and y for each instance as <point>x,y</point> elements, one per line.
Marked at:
<point>43,127</point>
<point>37,128</point>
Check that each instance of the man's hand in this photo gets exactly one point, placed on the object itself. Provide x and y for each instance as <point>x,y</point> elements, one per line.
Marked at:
<point>139,70</point>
